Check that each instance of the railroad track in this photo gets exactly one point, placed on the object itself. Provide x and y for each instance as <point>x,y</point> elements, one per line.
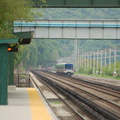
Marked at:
<point>58,100</point>
<point>103,103</point>
<point>105,82</point>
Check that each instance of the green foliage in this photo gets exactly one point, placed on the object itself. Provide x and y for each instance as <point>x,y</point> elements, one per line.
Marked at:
<point>49,50</point>
<point>11,10</point>
<point>118,74</point>
<point>94,45</point>
<point>81,70</point>
<point>81,13</point>
<point>90,71</point>
<point>105,71</point>
<point>39,52</point>
<point>18,55</point>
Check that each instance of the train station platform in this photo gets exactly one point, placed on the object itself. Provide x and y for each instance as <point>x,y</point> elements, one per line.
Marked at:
<point>26,104</point>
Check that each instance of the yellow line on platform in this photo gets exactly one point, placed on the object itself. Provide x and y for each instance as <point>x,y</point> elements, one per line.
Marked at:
<point>38,109</point>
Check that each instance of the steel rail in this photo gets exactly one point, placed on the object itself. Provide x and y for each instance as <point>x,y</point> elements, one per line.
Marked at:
<point>71,108</point>
<point>105,111</point>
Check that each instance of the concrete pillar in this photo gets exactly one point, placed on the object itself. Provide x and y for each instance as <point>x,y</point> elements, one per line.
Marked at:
<point>11,68</point>
<point>75,53</point>
<point>4,67</point>
<point>3,74</point>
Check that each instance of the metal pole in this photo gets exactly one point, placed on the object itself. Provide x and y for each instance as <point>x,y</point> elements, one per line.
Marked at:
<point>82,60</point>
<point>86,61</point>
<point>90,61</point>
<point>29,80</point>
<point>18,79</point>
<point>109,58</point>
<point>101,62</point>
<point>114,60</point>
<point>78,58</point>
<point>97,62</point>
<point>105,58</point>
<point>94,63</point>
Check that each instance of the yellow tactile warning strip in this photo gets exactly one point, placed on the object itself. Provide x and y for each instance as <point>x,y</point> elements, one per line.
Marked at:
<point>38,109</point>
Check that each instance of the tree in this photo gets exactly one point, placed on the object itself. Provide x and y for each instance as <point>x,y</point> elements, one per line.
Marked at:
<point>40,52</point>
<point>11,10</point>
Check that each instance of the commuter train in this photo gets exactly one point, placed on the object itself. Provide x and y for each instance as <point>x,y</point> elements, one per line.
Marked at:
<point>64,69</point>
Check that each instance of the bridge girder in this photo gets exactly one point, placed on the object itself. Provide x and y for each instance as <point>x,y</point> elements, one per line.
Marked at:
<point>78,3</point>
<point>71,29</point>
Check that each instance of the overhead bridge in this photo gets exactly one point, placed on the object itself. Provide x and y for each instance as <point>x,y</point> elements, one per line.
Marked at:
<point>78,3</point>
<point>71,29</point>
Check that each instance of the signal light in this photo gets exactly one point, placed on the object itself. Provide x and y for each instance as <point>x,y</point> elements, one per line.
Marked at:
<point>13,48</point>
<point>9,49</point>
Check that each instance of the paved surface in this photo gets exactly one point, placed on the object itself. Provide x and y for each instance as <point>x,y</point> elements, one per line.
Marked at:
<point>25,104</point>
<point>18,107</point>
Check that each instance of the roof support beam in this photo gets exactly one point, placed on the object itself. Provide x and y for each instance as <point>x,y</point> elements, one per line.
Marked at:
<point>78,3</point>
<point>4,69</point>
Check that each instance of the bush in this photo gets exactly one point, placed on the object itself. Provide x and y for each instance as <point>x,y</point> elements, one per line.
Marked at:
<point>90,71</point>
<point>81,70</point>
<point>118,74</point>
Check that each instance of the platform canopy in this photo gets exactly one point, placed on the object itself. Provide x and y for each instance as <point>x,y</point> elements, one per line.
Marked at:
<point>24,37</point>
<point>7,61</point>
<point>78,3</point>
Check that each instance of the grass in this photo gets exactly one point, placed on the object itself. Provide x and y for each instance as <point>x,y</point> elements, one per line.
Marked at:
<point>99,76</point>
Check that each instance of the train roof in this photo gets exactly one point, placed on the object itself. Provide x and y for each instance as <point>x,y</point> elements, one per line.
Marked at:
<point>60,64</point>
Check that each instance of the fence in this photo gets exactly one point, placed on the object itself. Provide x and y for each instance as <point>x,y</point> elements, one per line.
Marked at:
<point>100,59</point>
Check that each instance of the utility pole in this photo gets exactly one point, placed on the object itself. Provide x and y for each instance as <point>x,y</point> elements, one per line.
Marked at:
<point>78,59</point>
<point>97,61</point>
<point>105,57</point>
<point>94,63</point>
<point>82,60</point>
<point>90,60</point>
<point>86,61</point>
<point>109,58</point>
<point>114,60</point>
<point>101,62</point>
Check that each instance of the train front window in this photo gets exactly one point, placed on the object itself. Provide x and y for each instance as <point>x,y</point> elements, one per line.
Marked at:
<point>68,66</point>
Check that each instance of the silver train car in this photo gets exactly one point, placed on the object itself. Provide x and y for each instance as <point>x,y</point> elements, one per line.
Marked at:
<point>64,69</point>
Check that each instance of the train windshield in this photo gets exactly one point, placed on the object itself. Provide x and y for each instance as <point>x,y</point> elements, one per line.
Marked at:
<point>68,66</point>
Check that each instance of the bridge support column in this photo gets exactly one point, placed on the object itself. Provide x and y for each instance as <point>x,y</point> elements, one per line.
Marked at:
<point>75,55</point>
